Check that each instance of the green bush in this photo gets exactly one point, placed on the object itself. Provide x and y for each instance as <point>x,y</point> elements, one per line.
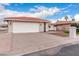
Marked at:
<point>74,24</point>
<point>66,31</point>
<point>77,30</point>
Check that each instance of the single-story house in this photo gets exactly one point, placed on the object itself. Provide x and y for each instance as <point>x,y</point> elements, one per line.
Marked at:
<point>3,27</point>
<point>64,25</point>
<point>52,27</point>
<point>26,24</point>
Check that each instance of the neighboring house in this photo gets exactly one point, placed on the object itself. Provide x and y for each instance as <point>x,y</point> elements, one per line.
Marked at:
<point>63,25</point>
<point>3,27</point>
<point>52,27</point>
<point>26,24</point>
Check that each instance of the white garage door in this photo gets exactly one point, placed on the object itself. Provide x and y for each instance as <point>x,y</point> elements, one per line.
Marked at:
<point>25,27</point>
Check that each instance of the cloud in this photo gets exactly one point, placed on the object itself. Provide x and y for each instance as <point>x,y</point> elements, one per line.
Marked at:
<point>70,5</point>
<point>76,17</point>
<point>10,13</point>
<point>1,8</point>
<point>63,19</point>
<point>37,11</point>
<point>40,11</point>
<point>5,4</point>
<point>65,9</point>
<point>53,20</point>
<point>1,12</point>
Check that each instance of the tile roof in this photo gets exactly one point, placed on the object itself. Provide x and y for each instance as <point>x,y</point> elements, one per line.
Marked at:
<point>25,19</point>
<point>65,22</point>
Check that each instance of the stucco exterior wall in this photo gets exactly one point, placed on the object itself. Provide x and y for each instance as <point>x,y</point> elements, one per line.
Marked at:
<point>10,27</point>
<point>47,26</point>
<point>26,27</point>
<point>63,27</point>
<point>41,29</point>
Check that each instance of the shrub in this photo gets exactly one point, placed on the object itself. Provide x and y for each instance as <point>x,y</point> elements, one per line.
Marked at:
<point>74,24</point>
<point>77,30</point>
<point>66,31</point>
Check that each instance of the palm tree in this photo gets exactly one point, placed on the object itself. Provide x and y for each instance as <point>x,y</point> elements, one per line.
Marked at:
<point>57,20</point>
<point>66,18</point>
<point>73,19</point>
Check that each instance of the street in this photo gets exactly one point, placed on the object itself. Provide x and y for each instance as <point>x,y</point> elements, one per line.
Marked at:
<point>72,50</point>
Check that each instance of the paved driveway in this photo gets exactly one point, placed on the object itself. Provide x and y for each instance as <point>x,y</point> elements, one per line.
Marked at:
<point>32,42</point>
<point>26,43</point>
<point>5,42</point>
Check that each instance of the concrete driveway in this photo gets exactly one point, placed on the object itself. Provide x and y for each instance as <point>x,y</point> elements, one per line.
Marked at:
<point>33,42</point>
<point>26,43</point>
<point>5,42</point>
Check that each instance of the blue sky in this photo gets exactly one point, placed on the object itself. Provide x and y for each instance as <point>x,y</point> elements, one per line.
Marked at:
<point>44,10</point>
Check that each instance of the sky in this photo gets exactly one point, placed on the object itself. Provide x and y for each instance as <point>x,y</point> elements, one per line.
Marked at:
<point>49,11</point>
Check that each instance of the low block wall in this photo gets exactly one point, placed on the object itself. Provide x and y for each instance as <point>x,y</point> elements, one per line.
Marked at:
<point>5,42</point>
<point>72,32</point>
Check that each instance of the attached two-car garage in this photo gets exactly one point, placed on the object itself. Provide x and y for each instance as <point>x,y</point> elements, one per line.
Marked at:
<point>22,27</point>
<point>26,24</point>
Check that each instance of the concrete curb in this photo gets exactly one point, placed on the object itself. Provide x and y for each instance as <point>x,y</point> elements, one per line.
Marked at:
<point>54,49</point>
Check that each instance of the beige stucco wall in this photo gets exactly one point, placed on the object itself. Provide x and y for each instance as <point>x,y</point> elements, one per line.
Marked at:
<point>63,27</point>
<point>41,28</point>
<point>47,26</point>
<point>26,27</point>
<point>10,26</point>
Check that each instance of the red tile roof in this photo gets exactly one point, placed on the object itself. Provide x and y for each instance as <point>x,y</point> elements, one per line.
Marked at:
<point>25,19</point>
<point>64,22</point>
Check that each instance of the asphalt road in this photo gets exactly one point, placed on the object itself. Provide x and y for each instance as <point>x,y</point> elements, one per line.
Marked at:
<point>72,50</point>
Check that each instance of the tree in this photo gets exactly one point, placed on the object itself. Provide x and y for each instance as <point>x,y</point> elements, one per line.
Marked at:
<point>57,20</point>
<point>66,18</point>
<point>73,19</point>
